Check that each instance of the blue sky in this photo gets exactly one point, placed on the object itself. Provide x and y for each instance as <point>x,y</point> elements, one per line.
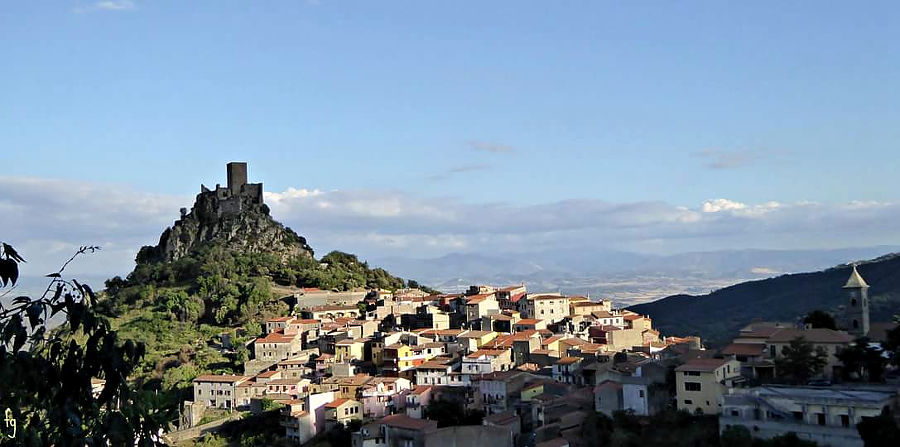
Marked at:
<point>517,103</point>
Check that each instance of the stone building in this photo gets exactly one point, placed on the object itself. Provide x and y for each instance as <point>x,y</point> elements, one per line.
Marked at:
<point>857,313</point>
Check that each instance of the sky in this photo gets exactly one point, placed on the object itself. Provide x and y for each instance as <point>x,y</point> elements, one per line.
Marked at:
<point>424,128</point>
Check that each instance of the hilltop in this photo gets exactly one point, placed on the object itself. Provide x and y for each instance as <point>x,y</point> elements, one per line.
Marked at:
<point>216,271</point>
<point>717,316</point>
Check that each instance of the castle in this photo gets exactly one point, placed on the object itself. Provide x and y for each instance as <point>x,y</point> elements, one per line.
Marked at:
<point>232,199</point>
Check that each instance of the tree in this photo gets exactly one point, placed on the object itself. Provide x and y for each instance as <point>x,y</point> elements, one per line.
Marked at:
<point>892,343</point>
<point>47,373</point>
<point>800,361</point>
<point>862,361</point>
<point>820,319</point>
<point>879,431</point>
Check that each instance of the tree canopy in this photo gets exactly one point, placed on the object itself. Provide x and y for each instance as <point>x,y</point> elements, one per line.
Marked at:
<point>69,385</point>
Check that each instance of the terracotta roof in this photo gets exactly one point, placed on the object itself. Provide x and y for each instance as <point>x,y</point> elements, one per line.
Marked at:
<point>528,322</point>
<point>568,360</point>
<point>401,420</point>
<point>336,403</point>
<point>702,365</point>
<point>276,338</point>
<point>549,297</point>
<point>420,389</point>
<point>224,378</point>
<point>505,418</point>
<point>267,374</point>
<point>279,319</point>
<point>474,334</point>
<point>488,352</point>
<point>812,335</point>
<point>744,349</point>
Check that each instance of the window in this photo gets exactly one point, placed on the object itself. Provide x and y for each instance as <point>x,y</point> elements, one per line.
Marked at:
<point>798,415</point>
<point>641,393</point>
<point>845,420</point>
<point>820,418</point>
<point>692,373</point>
<point>735,413</point>
<point>853,302</point>
<point>691,386</point>
<point>688,402</point>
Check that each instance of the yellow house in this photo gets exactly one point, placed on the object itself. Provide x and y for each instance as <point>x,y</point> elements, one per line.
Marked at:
<point>472,340</point>
<point>701,382</point>
<point>342,411</point>
<point>350,349</point>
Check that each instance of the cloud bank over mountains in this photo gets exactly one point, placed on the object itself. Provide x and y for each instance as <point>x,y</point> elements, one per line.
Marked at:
<point>48,219</point>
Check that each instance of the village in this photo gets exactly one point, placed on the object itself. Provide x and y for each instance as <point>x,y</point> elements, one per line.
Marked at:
<point>532,367</point>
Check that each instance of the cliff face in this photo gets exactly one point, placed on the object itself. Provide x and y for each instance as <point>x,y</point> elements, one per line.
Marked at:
<point>246,227</point>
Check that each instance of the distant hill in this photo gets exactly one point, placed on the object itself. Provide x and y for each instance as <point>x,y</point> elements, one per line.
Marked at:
<point>717,316</point>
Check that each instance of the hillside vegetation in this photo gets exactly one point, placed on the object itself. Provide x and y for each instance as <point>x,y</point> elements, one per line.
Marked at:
<point>717,316</point>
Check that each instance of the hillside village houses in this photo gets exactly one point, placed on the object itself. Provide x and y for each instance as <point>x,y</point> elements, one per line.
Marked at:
<point>533,364</point>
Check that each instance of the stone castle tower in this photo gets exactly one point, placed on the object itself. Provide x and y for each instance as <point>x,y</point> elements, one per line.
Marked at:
<point>237,194</point>
<point>857,313</point>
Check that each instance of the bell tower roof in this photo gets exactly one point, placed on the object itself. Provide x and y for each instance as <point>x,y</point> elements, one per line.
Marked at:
<point>856,280</point>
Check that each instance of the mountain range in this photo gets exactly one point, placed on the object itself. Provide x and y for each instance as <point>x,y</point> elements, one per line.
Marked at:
<point>718,316</point>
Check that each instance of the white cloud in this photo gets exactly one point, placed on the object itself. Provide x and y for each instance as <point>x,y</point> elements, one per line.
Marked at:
<point>114,5</point>
<point>48,219</point>
<point>717,205</point>
<point>490,147</point>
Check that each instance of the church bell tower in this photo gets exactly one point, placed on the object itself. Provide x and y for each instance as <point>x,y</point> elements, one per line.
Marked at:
<point>857,313</point>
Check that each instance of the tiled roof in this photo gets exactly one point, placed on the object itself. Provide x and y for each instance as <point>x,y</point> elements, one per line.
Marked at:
<point>336,403</point>
<point>811,335</point>
<point>744,349</point>
<point>224,378</point>
<point>702,365</point>
<point>401,420</point>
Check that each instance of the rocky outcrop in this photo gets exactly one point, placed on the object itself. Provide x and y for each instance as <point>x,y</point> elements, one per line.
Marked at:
<point>249,230</point>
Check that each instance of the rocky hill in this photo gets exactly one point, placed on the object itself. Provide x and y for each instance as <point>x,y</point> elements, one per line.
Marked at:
<point>717,316</point>
<point>212,273</point>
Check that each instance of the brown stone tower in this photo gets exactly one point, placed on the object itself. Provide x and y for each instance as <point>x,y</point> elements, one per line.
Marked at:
<point>237,177</point>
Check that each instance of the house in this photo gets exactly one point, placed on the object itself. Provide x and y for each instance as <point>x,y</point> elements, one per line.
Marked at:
<point>568,370</point>
<point>509,421</point>
<point>498,391</point>
<point>478,306</point>
<point>417,400</point>
<point>277,346</point>
<point>304,418</point>
<point>434,372</point>
<point>754,359</point>
<point>394,430</point>
<point>350,349</point>
<point>379,396</point>
<point>217,391</point>
<point>827,416</point>
<point>471,340</point>
<point>702,381</point>
<point>277,323</point>
<point>529,324</point>
<point>329,312</point>
<point>550,308</point>
<point>829,340</point>
<point>342,411</point>
<point>485,361</point>
<point>291,387</point>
